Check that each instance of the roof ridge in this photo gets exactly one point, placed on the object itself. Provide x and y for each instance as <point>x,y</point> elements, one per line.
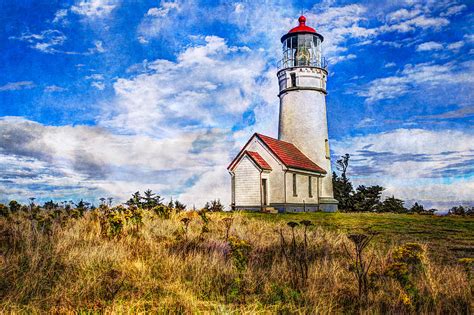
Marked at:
<point>260,134</point>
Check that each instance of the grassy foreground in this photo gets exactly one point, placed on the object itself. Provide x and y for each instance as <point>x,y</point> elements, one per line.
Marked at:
<point>176,265</point>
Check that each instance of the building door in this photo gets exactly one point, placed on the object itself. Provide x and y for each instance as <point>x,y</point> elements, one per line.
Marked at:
<point>264,191</point>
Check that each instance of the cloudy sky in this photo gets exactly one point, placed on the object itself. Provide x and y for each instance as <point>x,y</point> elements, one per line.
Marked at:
<point>101,98</point>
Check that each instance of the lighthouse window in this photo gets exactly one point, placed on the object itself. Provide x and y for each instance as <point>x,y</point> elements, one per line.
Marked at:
<point>310,187</point>
<point>293,79</point>
<point>295,193</point>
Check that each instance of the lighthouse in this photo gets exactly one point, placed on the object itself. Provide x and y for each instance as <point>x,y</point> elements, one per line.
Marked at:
<point>302,80</point>
<point>291,173</point>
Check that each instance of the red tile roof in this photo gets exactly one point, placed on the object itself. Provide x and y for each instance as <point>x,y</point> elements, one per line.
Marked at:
<point>286,152</point>
<point>258,159</point>
<point>290,155</point>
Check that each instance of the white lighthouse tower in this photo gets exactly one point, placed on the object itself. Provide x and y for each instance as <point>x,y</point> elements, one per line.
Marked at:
<point>291,173</point>
<point>302,79</point>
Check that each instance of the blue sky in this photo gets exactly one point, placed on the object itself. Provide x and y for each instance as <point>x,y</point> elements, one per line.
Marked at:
<point>102,98</point>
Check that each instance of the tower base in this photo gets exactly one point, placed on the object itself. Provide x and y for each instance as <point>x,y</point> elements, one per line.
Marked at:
<point>328,204</point>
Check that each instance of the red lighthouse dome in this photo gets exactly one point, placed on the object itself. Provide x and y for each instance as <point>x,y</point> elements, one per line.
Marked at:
<point>302,28</point>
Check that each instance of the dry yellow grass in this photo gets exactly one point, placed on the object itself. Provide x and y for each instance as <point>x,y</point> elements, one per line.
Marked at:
<point>155,268</point>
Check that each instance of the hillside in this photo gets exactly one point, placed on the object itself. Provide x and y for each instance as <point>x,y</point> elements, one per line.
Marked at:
<point>124,260</point>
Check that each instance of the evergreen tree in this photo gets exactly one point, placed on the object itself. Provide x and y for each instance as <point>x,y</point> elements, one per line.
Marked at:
<point>367,199</point>
<point>50,205</point>
<point>14,206</point>
<point>151,200</point>
<point>136,200</point>
<point>457,210</point>
<point>178,206</point>
<point>417,208</point>
<point>342,187</point>
<point>214,206</point>
<point>392,204</point>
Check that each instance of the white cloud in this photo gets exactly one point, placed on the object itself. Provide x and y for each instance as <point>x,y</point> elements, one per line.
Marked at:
<point>339,24</point>
<point>390,65</point>
<point>239,7</point>
<point>94,8</point>
<point>163,10</point>
<point>456,45</point>
<point>168,129</point>
<point>143,40</point>
<point>416,76</point>
<point>15,86</point>
<point>60,16</point>
<point>47,41</point>
<point>211,84</point>
<point>403,14</point>
<point>54,88</point>
<point>98,47</point>
<point>469,37</point>
<point>454,10</point>
<point>429,46</point>
<point>414,163</point>
<point>366,122</point>
<point>92,161</point>
<point>98,85</point>
<point>95,76</point>
<point>422,21</point>
<point>336,59</point>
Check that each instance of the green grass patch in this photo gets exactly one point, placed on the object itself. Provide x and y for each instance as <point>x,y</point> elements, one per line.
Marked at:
<point>448,237</point>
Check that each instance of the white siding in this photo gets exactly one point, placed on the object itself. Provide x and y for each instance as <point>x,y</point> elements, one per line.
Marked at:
<point>301,189</point>
<point>275,183</point>
<point>247,183</point>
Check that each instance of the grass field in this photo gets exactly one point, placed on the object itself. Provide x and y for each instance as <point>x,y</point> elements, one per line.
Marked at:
<point>186,263</point>
<point>447,237</point>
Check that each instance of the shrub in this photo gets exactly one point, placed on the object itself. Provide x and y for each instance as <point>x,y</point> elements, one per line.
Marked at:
<point>162,211</point>
<point>405,266</point>
<point>240,251</point>
<point>4,211</point>
<point>14,206</point>
<point>214,206</point>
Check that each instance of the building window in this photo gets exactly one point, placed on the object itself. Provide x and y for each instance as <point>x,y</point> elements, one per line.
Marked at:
<point>295,193</point>
<point>293,79</point>
<point>328,153</point>
<point>310,187</point>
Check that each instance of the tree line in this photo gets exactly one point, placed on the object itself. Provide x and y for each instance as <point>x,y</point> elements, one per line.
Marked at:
<point>148,201</point>
<point>369,198</point>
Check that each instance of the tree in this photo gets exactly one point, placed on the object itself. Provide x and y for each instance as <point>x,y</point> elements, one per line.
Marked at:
<point>367,199</point>
<point>151,200</point>
<point>178,206</point>
<point>343,189</point>
<point>136,200</point>
<point>417,208</point>
<point>470,211</point>
<point>214,206</point>
<point>81,206</point>
<point>50,205</point>
<point>392,204</point>
<point>14,206</point>
<point>457,210</point>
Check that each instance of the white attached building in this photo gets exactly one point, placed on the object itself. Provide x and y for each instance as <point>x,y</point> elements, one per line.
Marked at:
<point>291,173</point>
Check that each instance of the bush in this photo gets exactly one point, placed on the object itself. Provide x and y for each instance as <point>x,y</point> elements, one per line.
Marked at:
<point>405,267</point>
<point>214,206</point>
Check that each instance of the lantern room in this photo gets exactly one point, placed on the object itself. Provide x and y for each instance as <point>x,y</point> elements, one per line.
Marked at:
<point>302,47</point>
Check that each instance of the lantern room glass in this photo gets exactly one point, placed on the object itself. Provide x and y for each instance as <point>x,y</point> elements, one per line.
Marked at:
<point>301,50</point>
